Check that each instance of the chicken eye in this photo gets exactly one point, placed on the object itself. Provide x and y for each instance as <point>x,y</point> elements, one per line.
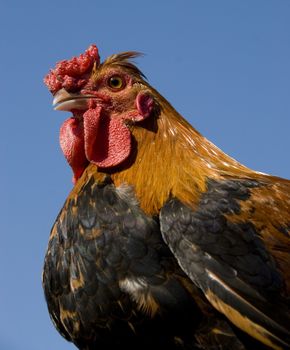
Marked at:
<point>116,82</point>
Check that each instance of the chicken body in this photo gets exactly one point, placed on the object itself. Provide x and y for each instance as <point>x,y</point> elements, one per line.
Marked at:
<point>164,240</point>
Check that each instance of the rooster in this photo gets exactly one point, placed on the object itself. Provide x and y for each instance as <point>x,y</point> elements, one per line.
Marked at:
<point>164,239</point>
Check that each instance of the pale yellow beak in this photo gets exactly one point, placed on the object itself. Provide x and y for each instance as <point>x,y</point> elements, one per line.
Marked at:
<point>66,101</point>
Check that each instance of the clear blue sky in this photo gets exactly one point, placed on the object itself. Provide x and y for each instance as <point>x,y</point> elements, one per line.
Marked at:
<point>224,65</point>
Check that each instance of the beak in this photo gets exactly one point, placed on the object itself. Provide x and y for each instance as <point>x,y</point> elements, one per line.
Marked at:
<point>66,101</point>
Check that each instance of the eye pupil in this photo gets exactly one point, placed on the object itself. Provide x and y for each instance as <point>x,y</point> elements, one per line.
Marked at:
<point>116,82</point>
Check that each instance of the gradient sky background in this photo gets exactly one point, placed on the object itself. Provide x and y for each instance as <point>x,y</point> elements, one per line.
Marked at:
<point>224,65</point>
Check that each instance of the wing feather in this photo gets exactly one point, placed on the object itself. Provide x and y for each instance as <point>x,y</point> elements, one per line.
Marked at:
<point>228,261</point>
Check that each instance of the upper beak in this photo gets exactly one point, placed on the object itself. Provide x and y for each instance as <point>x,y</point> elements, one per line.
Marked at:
<point>66,101</point>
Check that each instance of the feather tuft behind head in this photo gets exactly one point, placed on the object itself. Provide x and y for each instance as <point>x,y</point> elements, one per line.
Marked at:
<point>124,59</point>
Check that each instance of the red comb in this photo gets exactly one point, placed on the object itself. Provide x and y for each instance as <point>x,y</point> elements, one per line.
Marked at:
<point>72,74</point>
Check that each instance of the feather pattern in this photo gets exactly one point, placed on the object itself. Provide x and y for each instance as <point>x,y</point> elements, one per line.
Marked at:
<point>175,245</point>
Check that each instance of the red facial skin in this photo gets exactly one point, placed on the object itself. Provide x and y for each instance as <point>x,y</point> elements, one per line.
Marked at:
<point>98,134</point>
<point>98,138</point>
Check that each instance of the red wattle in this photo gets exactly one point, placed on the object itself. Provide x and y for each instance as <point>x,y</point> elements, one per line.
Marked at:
<point>72,144</point>
<point>107,139</point>
<point>99,138</point>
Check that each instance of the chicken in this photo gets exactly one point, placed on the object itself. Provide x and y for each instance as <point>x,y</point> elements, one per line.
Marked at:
<point>164,239</point>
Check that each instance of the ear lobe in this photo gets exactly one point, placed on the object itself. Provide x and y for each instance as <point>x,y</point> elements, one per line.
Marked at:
<point>144,104</point>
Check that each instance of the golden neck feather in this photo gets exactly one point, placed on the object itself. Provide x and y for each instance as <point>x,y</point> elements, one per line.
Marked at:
<point>171,159</point>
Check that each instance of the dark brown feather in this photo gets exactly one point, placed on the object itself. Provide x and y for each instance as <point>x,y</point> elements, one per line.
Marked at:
<point>227,227</point>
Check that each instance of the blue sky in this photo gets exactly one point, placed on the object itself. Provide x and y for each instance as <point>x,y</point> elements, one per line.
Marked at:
<point>224,65</point>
